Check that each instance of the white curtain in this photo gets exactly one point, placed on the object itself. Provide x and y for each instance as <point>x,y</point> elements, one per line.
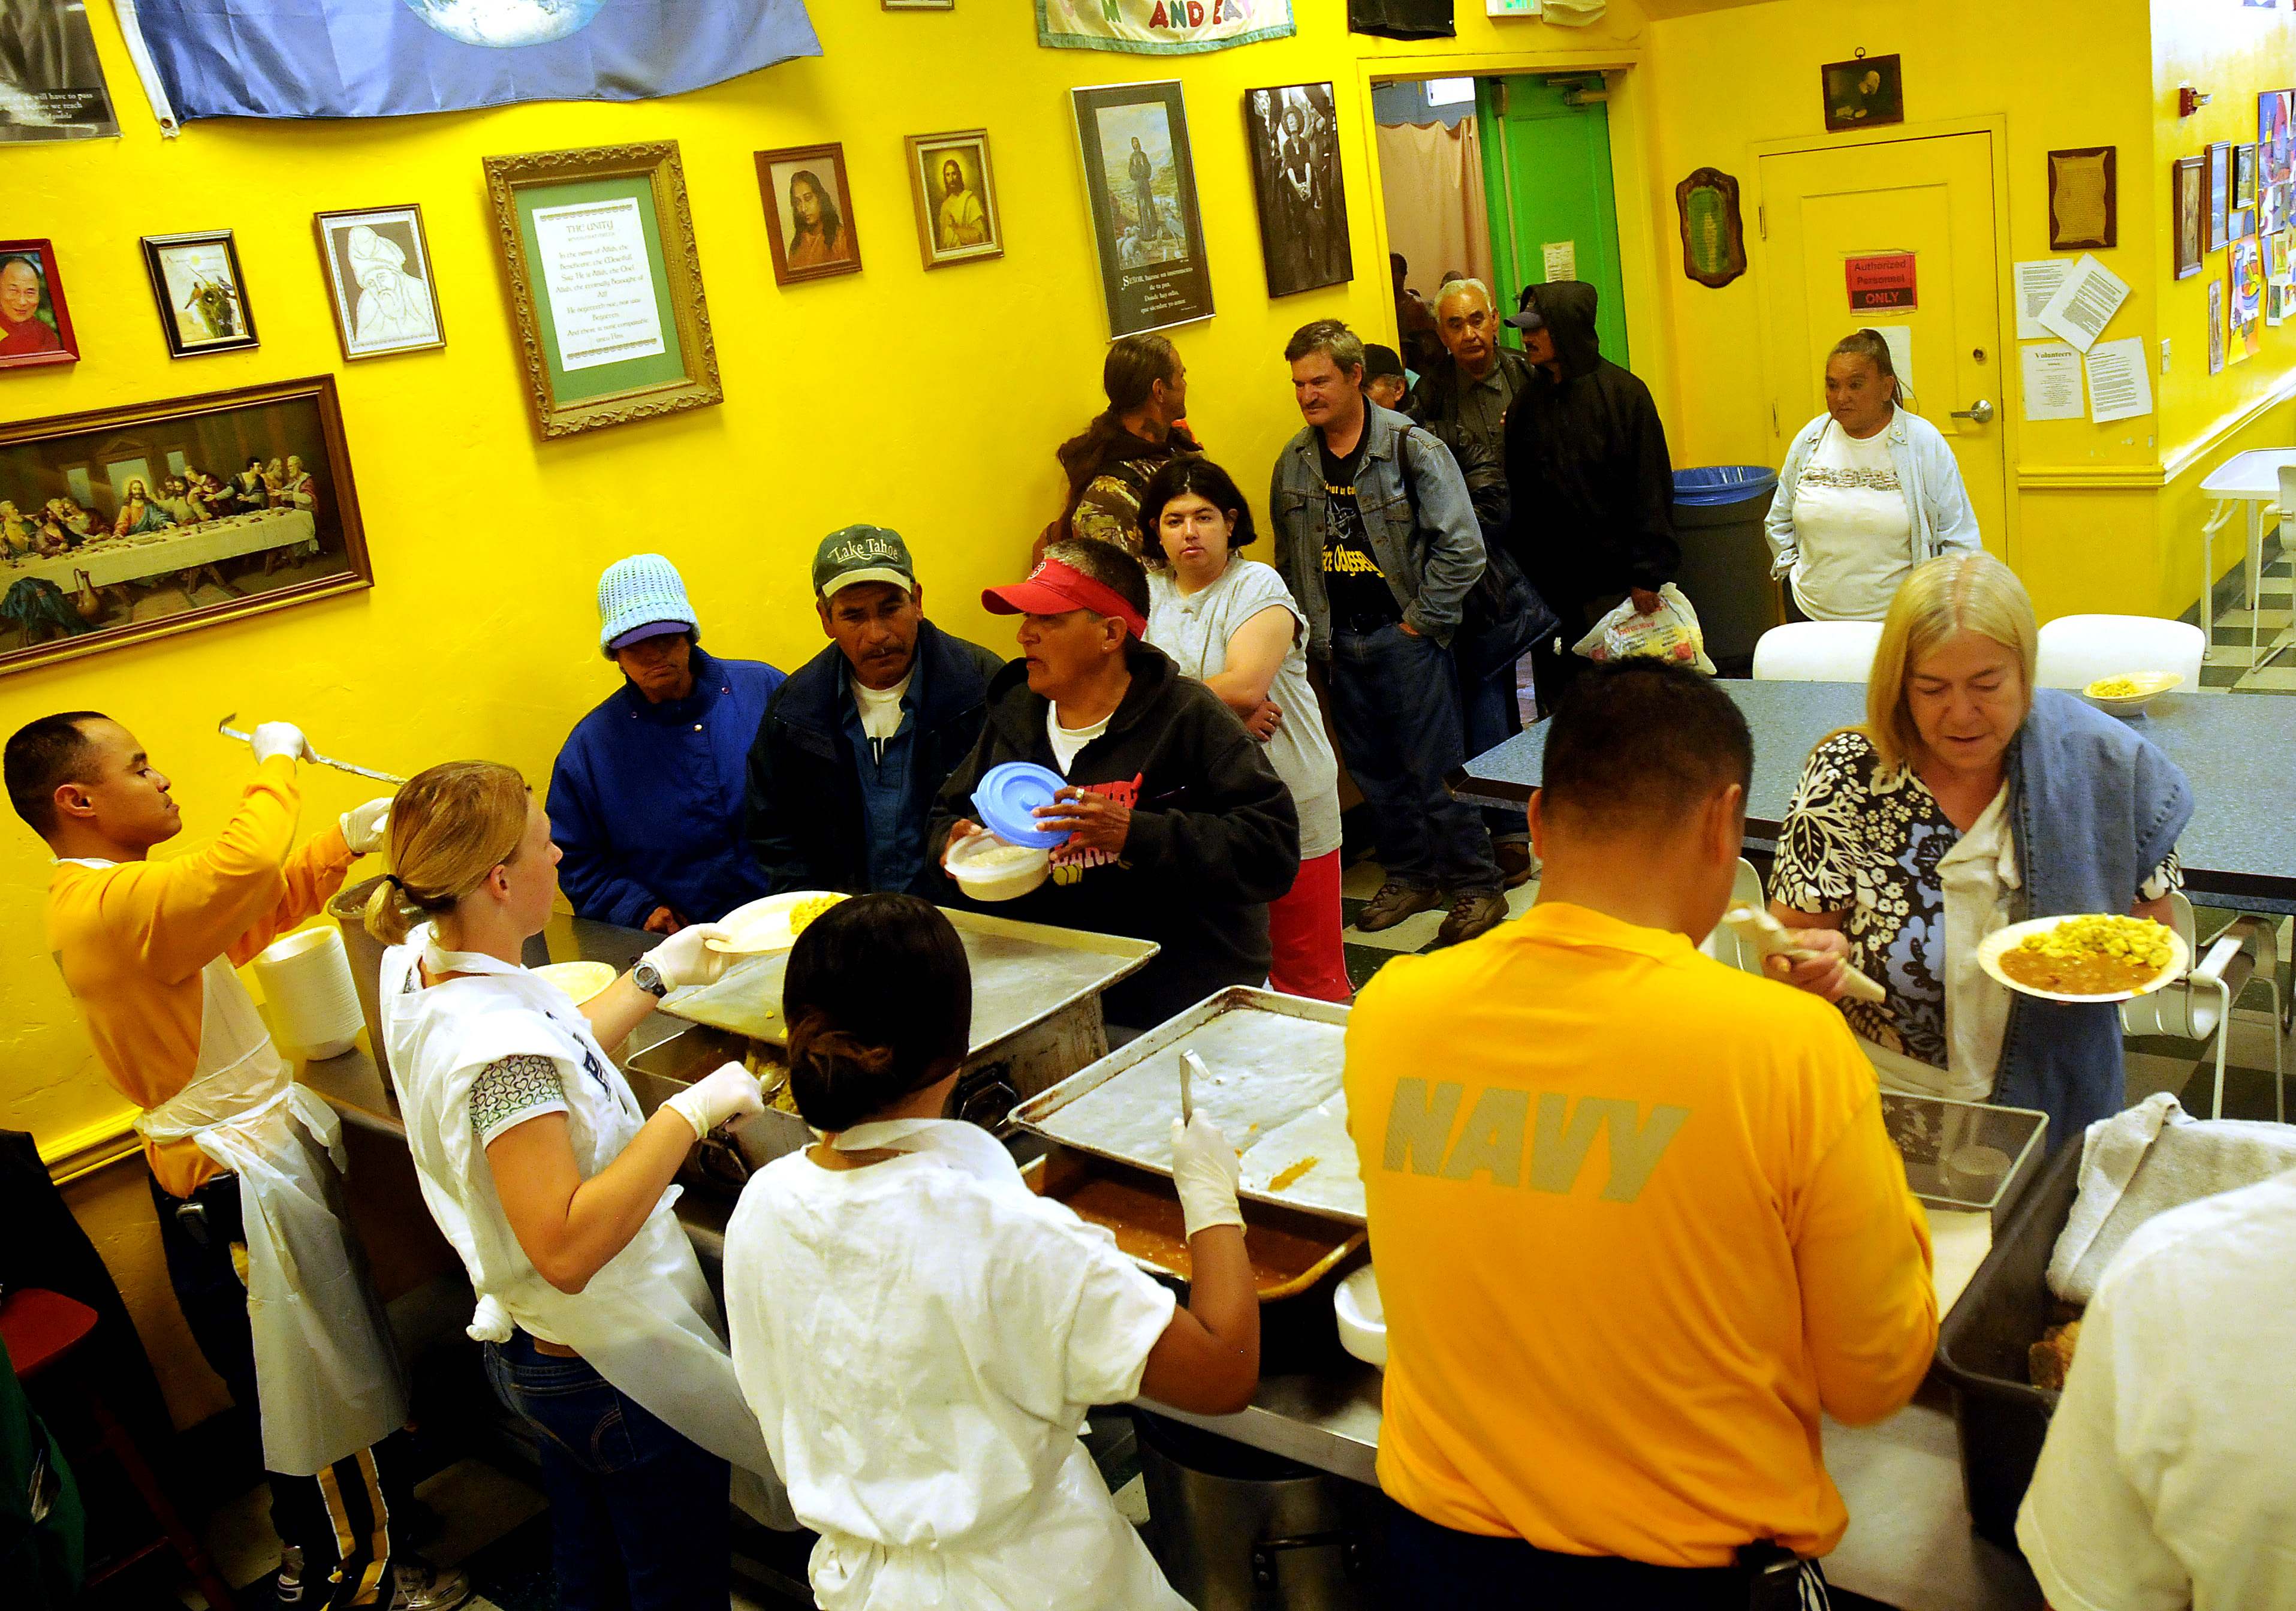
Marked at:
<point>1433,177</point>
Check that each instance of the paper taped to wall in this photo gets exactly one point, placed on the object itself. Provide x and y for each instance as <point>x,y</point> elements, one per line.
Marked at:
<point>2051,375</point>
<point>2084,304</point>
<point>1561,257</point>
<point>2119,386</point>
<point>2037,282</point>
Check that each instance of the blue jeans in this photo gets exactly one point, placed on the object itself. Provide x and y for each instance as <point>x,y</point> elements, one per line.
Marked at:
<point>1491,716</point>
<point>637,1512</point>
<point>1395,705</point>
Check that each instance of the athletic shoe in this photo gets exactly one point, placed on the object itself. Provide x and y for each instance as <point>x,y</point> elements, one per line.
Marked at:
<point>420,1586</point>
<point>287,1587</point>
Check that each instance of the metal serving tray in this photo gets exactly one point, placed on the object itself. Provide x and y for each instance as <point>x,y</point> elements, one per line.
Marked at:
<point>1274,1062</point>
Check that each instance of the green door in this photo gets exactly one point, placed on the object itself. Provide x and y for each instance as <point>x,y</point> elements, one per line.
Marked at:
<point>1547,173</point>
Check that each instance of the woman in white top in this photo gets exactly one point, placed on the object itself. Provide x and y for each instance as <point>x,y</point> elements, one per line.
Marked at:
<point>1230,622</point>
<point>1867,492</point>
<point>920,1335</point>
<point>555,1190</point>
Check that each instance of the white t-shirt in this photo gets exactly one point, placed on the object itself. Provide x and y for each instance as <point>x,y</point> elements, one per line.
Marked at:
<point>1067,742</point>
<point>880,708</point>
<point>1195,632</point>
<point>1852,526</point>
<point>2165,1482</point>
<point>920,1340</point>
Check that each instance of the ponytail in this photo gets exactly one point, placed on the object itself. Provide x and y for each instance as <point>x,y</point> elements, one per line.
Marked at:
<point>1868,344</point>
<point>879,999</point>
<point>450,826</point>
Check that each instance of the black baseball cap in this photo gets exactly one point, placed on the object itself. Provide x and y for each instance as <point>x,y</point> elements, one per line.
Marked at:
<point>1526,316</point>
<point>1381,360</point>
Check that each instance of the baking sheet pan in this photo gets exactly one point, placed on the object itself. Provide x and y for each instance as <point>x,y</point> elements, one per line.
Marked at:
<point>1274,1063</point>
<point>1022,975</point>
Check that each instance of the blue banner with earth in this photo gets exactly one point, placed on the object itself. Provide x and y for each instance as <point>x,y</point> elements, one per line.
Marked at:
<point>382,58</point>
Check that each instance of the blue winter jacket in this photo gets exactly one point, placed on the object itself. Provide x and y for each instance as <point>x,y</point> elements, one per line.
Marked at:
<point>646,799</point>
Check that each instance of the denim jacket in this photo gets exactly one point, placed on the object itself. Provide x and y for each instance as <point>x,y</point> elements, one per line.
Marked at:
<point>1431,561</point>
<point>1935,498</point>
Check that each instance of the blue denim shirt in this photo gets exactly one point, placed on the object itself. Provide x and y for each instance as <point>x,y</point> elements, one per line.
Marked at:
<point>895,820</point>
<point>1431,561</point>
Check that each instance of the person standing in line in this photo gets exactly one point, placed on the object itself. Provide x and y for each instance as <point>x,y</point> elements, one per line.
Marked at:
<point>246,1164</point>
<point>1231,623</point>
<point>1478,380</point>
<point>1868,491</point>
<point>1590,485</point>
<point>1110,461</point>
<point>1377,540</point>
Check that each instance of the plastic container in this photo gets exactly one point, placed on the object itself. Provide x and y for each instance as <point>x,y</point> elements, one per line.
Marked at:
<point>1362,1319</point>
<point>987,868</point>
<point>315,1002</point>
<point>1981,1351</point>
<point>1008,799</point>
<point>1718,513</point>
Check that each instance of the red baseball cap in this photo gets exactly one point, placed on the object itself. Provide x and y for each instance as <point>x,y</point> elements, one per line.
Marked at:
<point>1054,588</point>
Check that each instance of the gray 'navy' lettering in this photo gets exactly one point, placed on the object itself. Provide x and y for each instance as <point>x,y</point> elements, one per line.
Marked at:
<point>1419,1125</point>
<point>1419,1129</point>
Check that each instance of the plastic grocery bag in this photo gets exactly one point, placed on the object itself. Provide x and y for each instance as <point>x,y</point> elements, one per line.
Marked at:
<point>1671,633</point>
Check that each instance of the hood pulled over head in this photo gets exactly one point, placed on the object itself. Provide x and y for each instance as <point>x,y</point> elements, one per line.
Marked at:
<point>1568,307</point>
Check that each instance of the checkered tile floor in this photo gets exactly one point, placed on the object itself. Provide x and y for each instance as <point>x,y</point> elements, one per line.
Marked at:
<point>2246,636</point>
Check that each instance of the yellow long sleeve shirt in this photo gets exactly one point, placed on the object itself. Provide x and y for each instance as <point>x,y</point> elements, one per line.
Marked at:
<point>131,941</point>
<point>1636,1220</point>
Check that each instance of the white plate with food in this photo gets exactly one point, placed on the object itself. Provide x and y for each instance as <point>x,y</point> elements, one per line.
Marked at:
<point>2130,692</point>
<point>2090,956</point>
<point>772,923</point>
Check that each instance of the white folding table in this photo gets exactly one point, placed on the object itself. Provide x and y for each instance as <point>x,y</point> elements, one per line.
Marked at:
<point>2251,479</point>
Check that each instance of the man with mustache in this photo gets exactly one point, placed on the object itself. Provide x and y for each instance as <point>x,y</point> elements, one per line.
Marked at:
<point>855,744</point>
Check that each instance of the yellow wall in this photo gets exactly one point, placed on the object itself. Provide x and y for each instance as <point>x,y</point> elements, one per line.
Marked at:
<point>927,401</point>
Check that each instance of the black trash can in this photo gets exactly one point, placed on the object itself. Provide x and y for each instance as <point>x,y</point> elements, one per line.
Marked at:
<point>1718,511</point>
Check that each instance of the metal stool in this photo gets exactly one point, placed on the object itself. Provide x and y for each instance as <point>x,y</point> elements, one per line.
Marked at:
<point>42,1329</point>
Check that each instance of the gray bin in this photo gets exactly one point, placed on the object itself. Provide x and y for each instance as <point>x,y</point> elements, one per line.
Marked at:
<point>1725,573</point>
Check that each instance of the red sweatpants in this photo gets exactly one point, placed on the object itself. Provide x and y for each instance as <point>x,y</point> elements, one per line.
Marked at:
<point>1303,928</point>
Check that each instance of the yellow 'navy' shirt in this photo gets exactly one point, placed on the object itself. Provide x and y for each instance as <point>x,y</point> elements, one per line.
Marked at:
<point>1635,1221</point>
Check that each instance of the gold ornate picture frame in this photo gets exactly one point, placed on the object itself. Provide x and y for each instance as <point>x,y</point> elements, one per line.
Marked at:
<point>606,284</point>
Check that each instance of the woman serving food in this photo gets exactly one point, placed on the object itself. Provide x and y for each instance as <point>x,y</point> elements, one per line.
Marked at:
<point>1968,799</point>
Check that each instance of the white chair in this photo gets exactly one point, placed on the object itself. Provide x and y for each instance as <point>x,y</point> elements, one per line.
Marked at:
<point>2199,1006</point>
<point>1723,944</point>
<point>1818,651</point>
<point>2075,650</point>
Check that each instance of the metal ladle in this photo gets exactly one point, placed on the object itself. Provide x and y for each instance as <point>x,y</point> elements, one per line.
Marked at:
<point>228,731</point>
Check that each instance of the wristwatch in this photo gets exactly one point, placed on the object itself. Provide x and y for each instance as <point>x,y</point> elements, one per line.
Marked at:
<point>648,978</point>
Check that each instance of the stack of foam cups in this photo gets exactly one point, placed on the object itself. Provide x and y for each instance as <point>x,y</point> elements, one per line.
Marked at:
<point>315,1008</point>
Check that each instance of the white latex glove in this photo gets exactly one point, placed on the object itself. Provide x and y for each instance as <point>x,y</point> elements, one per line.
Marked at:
<point>1206,1170</point>
<point>726,1092</point>
<point>364,826</point>
<point>683,958</point>
<point>278,738</point>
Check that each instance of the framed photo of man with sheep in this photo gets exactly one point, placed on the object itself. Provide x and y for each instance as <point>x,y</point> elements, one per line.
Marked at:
<point>1141,178</point>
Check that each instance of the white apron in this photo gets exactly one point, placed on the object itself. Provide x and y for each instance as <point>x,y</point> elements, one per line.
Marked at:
<point>325,1371</point>
<point>646,1322</point>
<point>1063,1548</point>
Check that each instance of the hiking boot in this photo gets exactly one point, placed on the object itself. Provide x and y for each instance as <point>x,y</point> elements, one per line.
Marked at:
<point>287,1587</point>
<point>1473,912</point>
<point>1517,865</point>
<point>417,1585</point>
<point>1393,903</point>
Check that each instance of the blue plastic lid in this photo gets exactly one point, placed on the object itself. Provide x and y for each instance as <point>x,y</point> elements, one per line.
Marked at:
<point>1010,794</point>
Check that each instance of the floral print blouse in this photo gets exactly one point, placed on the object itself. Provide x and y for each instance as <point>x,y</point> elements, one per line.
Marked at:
<point>1868,841</point>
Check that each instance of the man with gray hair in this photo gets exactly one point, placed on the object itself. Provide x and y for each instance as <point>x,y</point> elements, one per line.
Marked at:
<point>1474,386</point>
<point>1376,538</point>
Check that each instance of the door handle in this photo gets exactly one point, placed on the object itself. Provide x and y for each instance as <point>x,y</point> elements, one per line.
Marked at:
<point>1982,411</point>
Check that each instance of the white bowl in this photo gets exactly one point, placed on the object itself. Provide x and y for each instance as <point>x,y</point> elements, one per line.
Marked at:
<point>1363,1320</point>
<point>2149,686</point>
<point>988,868</point>
<point>579,980</point>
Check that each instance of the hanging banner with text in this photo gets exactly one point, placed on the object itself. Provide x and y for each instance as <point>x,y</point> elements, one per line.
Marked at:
<point>1161,27</point>
<point>1882,285</point>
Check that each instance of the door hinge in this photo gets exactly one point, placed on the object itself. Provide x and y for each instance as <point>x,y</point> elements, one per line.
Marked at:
<point>1774,417</point>
<point>1762,218</point>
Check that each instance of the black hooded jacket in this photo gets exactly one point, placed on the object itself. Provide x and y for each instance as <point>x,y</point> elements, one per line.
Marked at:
<point>1214,837</point>
<point>1588,479</point>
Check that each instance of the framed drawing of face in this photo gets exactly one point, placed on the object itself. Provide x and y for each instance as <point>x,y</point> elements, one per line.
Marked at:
<point>378,282</point>
<point>202,299</point>
<point>956,196</point>
<point>35,325</point>
<point>808,212</point>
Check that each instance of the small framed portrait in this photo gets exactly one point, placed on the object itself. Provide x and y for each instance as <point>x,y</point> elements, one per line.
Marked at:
<point>2188,206</point>
<point>1863,93</point>
<point>956,196</point>
<point>2243,176</point>
<point>379,280</point>
<point>808,212</point>
<point>2219,194</point>
<point>202,299</point>
<point>35,325</point>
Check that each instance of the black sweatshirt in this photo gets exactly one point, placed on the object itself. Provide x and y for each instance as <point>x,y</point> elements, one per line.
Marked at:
<point>1214,834</point>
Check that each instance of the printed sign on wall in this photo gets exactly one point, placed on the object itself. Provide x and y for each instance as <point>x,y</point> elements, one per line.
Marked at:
<point>1161,27</point>
<point>1882,283</point>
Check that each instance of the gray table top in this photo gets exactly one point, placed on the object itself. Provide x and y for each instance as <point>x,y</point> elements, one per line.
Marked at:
<point>2239,749</point>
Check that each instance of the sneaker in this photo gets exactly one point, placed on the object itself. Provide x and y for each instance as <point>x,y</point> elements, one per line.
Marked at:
<point>419,1586</point>
<point>1517,865</point>
<point>1393,903</point>
<point>1472,913</point>
<point>287,1587</point>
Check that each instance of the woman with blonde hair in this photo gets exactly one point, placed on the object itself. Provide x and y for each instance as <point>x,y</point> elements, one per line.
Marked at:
<point>1966,801</point>
<point>554,1189</point>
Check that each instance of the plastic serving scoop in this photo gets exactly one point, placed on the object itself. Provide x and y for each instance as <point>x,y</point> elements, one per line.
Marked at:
<point>1768,936</point>
<point>1192,1067</point>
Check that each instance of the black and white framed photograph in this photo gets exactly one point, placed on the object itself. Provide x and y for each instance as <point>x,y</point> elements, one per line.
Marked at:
<point>52,85</point>
<point>1140,174</point>
<point>1293,133</point>
<point>201,295</point>
<point>378,280</point>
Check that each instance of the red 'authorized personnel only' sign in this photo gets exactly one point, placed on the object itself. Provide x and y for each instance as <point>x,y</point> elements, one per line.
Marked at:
<point>1885,281</point>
